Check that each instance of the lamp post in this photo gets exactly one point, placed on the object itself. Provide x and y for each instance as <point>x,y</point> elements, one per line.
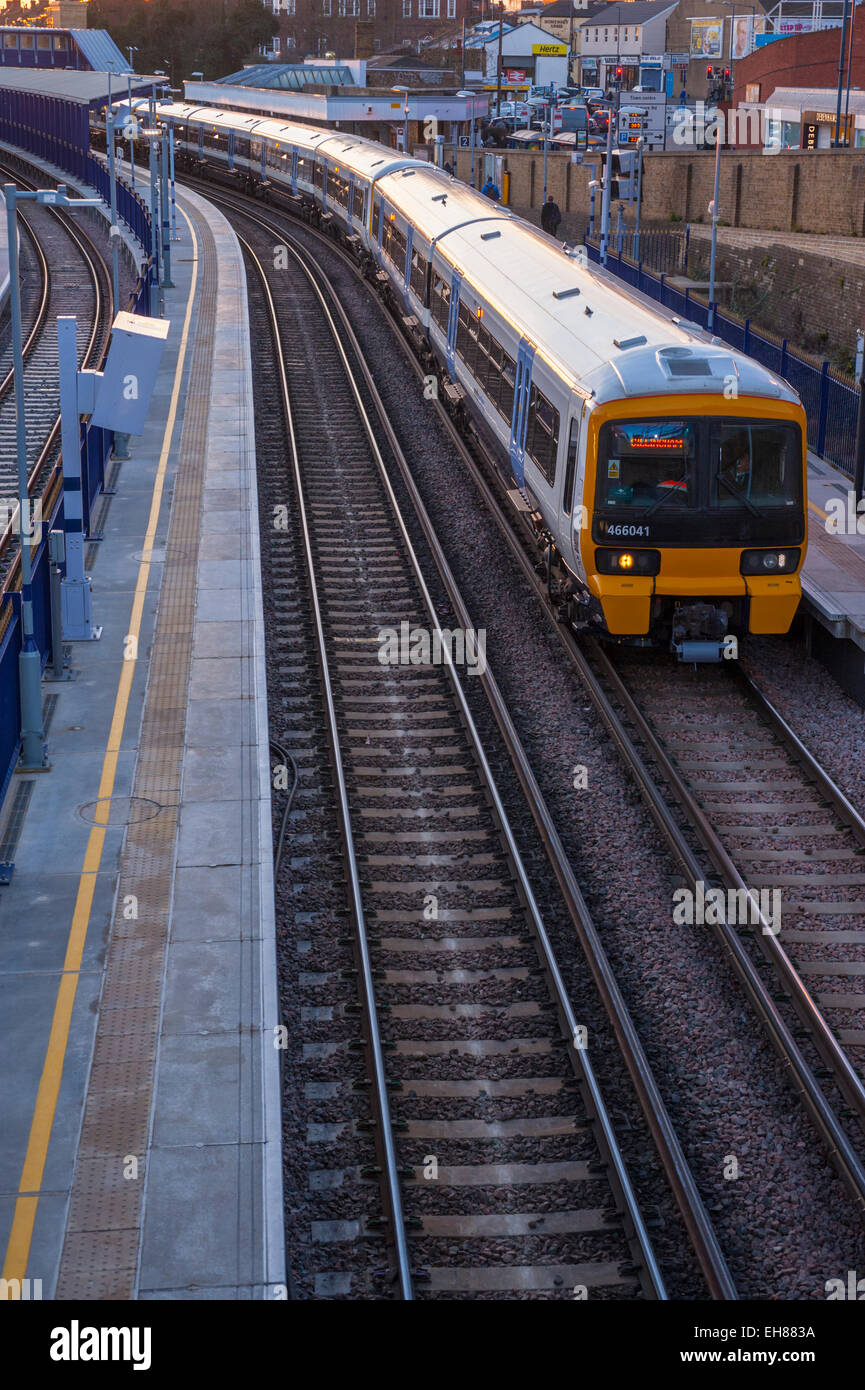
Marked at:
<point>32,735</point>
<point>130,50</point>
<point>404,91</point>
<point>547,118</point>
<point>471,95</point>
<point>114,231</point>
<point>714,211</point>
<point>640,144</point>
<point>837,140</point>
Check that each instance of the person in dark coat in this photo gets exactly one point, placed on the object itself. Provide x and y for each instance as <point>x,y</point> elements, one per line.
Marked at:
<point>551,216</point>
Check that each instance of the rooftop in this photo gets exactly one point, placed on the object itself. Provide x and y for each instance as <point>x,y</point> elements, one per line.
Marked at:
<point>88,88</point>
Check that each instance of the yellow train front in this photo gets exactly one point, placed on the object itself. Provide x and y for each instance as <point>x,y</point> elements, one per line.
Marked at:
<point>693,528</point>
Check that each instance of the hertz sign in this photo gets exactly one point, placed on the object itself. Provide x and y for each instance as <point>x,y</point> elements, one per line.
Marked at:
<point>549,50</point>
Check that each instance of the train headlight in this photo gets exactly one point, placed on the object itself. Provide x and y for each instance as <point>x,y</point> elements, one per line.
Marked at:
<point>609,561</point>
<point>769,561</point>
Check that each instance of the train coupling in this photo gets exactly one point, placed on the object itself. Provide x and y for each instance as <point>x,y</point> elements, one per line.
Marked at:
<point>699,633</point>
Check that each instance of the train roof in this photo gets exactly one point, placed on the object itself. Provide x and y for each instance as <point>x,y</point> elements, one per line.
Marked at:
<point>608,340</point>
<point>605,338</point>
<point>355,151</point>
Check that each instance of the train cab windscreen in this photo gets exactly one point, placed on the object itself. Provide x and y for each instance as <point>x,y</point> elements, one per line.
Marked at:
<point>735,480</point>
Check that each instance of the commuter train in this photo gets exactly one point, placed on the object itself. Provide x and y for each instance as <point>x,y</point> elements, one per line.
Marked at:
<point>665,473</point>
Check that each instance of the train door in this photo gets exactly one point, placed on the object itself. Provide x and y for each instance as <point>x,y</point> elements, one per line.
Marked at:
<point>570,503</point>
<point>453,320</point>
<point>231,150</point>
<point>263,168</point>
<point>294,172</point>
<point>520,413</point>
<point>201,142</point>
<point>377,225</point>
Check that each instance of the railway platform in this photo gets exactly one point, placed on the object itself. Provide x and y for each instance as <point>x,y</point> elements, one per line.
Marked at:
<point>833,577</point>
<point>140,1153</point>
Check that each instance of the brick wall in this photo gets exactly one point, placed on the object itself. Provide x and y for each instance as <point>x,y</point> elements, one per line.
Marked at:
<point>814,301</point>
<point>787,191</point>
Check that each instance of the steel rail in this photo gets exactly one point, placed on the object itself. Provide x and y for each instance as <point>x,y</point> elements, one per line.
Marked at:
<point>698,1224</point>
<point>42,310</point>
<point>391,1174</point>
<point>827,1122</point>
<point>103,313</point>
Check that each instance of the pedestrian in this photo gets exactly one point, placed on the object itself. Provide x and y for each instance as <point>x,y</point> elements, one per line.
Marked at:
<point>551,216</point>
<point>490,190</point>
<point>448,167</point>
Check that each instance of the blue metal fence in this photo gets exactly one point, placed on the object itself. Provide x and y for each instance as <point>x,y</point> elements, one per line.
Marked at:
<point>96,445</point>
<point>830,403</point>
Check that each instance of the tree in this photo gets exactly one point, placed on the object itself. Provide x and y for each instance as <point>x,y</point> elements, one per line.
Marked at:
<point>186,36</point>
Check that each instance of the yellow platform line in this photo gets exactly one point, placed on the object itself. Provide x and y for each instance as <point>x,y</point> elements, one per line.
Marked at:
<point>26,1203</point>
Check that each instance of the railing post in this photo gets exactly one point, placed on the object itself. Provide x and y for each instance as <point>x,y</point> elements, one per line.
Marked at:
<point>687,247</point>
<point>746,340</point>
<point>662,286</point>
<point>824,409</point>
<point>784,357</point>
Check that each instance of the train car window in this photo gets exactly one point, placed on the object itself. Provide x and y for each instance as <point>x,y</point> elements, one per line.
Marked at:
<point>241,147</point>
<point>318,178</point>
<point>394,244</point>
<point>647,463</point>
<point>755,462</point>
<point>571,467</point>
<point>255,150</point>
<point>304,168</point>
<point>358,202</point>
<point>440,298</point>
<point>542,435</point>
<point>376,220</point>
<point>337,188</point>
<point>506,392</point>
<point>417,280</point>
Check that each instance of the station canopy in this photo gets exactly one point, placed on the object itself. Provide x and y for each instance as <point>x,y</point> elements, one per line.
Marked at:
<point>289,77</point>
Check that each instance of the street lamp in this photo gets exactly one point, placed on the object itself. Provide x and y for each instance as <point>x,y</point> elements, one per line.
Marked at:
<point>114,231</point>
<point>713,208</point>
<point>130,50</point>
<point>471,95</point>
<point>404,91</point>
<point>547,120</point>
<point>32,757</point>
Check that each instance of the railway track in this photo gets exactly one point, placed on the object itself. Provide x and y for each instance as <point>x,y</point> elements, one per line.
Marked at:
<point>773,823</point>
<point>72,280</point>
<point>482,1122</point>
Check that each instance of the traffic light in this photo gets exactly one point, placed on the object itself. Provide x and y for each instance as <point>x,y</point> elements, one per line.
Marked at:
<point>619,74</point>
<point>726,74</point>
<point>709,72</point>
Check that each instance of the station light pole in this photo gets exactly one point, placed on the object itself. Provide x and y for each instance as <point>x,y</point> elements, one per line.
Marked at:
<point>404,91</point>
<point>114,230</point>
<point>713,208</point>
<point>471,97</point>
<point>547,121</point>
<point>131,49</point>
<point>32,758</point>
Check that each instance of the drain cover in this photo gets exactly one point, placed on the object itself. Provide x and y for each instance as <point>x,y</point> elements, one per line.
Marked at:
<point>122,810</point>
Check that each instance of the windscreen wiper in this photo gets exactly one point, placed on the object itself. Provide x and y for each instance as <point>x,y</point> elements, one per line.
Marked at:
<point>664,497</point>
<point>743,497</point>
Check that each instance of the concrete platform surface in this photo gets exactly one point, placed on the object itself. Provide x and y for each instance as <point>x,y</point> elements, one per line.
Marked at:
<point>140,1149</point>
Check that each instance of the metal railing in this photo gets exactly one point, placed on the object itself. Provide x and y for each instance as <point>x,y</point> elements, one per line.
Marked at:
<point>830,402</point>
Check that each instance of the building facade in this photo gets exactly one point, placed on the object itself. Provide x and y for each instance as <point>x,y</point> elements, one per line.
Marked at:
<point>360,28</point>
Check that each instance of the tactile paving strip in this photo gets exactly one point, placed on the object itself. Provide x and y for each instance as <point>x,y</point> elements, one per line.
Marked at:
<point>100,1250</point>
